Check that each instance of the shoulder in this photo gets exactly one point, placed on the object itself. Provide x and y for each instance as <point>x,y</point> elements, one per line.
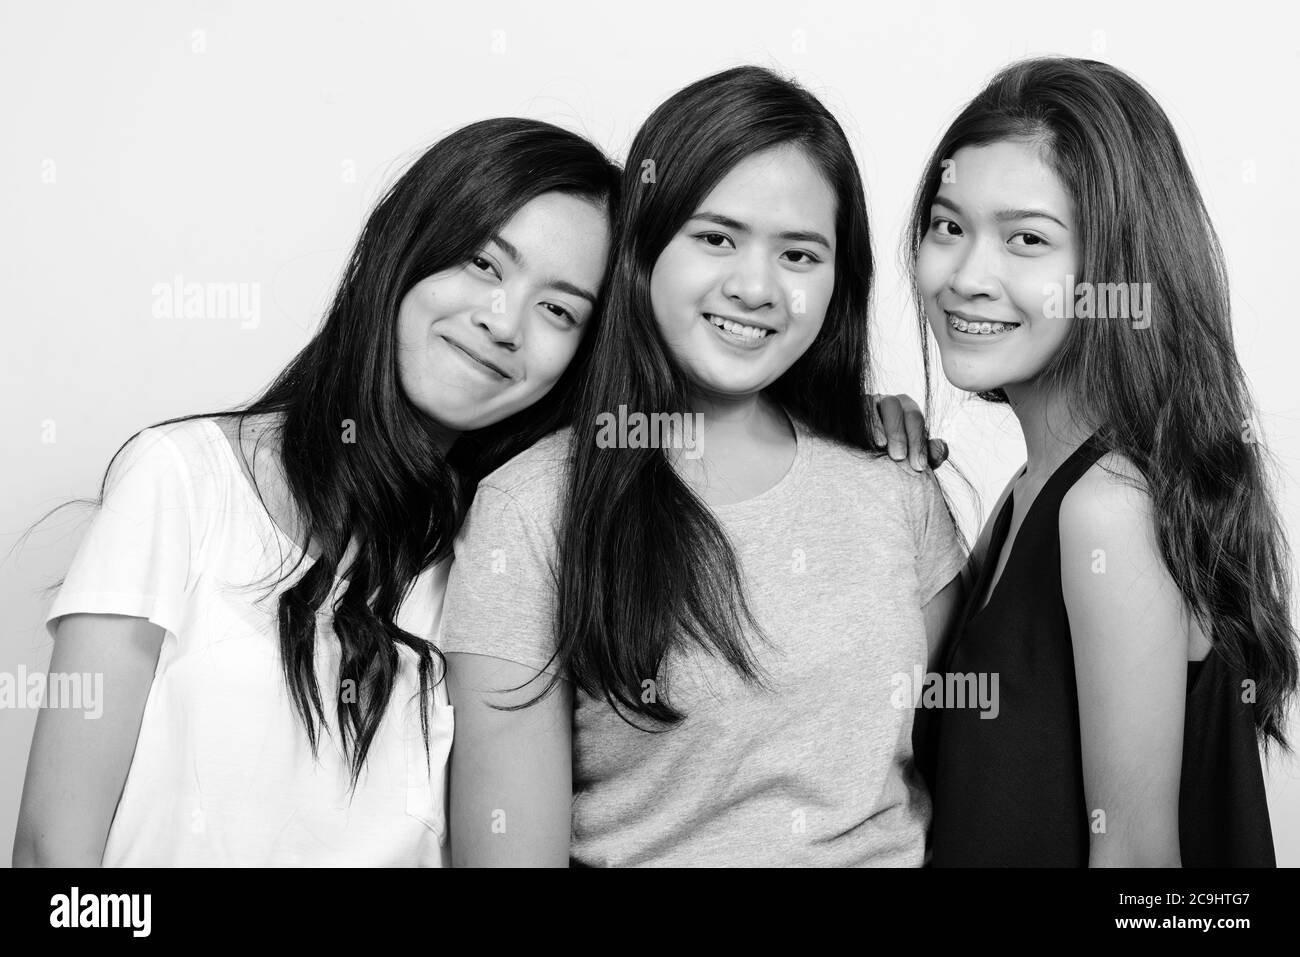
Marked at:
<point>1113,576</point>
<point>1109,500</point>
<point>1106,521</point>
<point>862,469</point>
<point>187,464</point>
<point>184,449</point>
<point>534,479</point>
<point>874,481</point>
<point>506,545</point>
<point>160,496</point>
<point>884,493</point>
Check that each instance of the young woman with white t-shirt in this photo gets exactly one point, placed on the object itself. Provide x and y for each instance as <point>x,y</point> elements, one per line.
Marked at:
<point>675,654</point>
<point>260,589</point>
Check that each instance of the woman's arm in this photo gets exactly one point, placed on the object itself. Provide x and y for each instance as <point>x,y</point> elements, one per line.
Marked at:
<point>940,614</point>
<point>78,765</point>
<point>511,771</point>
<point>1128,626</point>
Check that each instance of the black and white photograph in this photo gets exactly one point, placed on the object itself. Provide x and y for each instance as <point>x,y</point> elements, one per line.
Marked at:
<point>695,436</point>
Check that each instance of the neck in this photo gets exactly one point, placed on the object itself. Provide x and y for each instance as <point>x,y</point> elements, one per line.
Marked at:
<point>443,437</point>
<point>1051,429</point>
<point>733,423</point>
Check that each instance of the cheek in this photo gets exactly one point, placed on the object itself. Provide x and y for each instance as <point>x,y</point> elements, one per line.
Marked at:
<point>807,300</point>
<point>677,282</point>
<point>551,352</point>
<point>931,271</point>
<point>427,302</point>
<point>411,314</point>
<point>1053,335</point>
<point>412,339</point>
<point>1029,294</point>
<point>816,299</point>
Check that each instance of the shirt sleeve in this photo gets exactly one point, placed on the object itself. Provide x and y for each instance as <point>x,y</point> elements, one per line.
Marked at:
<point>500,597</point>
<point>940,555</point>
<point>136,557</point>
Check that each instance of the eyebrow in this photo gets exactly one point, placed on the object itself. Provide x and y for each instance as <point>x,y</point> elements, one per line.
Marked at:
<point>563,285</point>
<point>1003,215</point>
<point>795,235</point>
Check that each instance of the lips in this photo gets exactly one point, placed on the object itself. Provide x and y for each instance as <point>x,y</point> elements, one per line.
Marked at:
<point>487,365</point>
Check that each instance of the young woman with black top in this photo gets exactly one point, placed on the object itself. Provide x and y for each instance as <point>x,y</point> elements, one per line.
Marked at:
<point>1132,590</point>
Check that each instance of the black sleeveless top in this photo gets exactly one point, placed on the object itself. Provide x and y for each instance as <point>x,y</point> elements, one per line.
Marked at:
<point>1008,791</point>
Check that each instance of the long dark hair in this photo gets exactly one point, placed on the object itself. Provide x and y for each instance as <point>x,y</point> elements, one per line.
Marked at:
<point>391,490</point>
<point>632,586</point>
<point>1171,397</point>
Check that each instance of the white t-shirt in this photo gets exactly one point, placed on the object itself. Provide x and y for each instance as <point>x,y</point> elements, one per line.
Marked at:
<point>223,773</point>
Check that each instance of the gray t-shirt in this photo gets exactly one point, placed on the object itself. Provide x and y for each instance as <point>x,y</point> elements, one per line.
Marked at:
<point>838,559</point>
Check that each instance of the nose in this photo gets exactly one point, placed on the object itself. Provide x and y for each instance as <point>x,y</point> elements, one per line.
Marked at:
<point>975,276</point>
<point>502,321</point>
<point>750,282</point>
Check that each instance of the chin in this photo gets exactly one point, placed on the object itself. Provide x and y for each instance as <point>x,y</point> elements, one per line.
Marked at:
<point>723,388</point>
<point>455,415</point>
<point>972,380</point>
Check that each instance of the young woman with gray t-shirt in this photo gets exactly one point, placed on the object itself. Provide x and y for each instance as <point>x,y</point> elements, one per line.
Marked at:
<point>674,630</point>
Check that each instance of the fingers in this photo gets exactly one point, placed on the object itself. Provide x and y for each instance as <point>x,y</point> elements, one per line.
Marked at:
<point>873,418</point>
<point>914,422</point>
<point>919,448</point>
<point>898,423</point>
<point>891,417</point>
<point>908,403</point>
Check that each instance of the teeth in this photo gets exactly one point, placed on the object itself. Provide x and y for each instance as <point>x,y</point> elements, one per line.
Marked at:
<point>736,328</point>
<point>980,328</point>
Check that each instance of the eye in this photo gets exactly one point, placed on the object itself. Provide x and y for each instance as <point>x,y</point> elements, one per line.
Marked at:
<point>808,258</point>
<point>557,310</point>
<point>945,227</point>
<point>483,264</point>
<point>709,239</point>
<point>1037,240</point>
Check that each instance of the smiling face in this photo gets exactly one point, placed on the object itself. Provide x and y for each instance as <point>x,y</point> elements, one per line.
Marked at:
<point>481,341</point>
<point>741,291</point>
<point>1001,235</point>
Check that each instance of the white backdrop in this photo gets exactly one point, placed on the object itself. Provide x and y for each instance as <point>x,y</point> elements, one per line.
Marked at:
<point>243,142</point>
